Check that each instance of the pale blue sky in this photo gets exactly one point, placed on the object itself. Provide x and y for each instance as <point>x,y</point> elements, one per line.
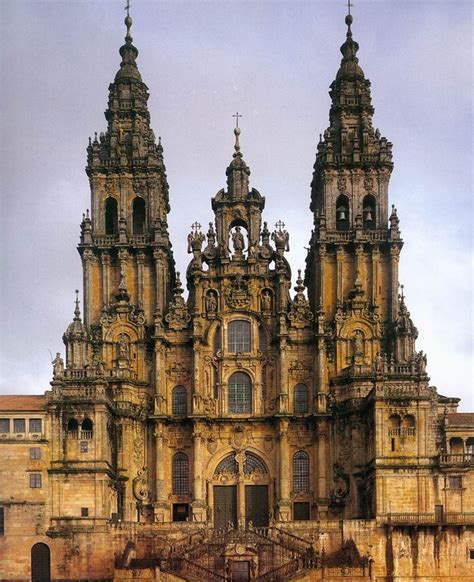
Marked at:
<point>273,62</point>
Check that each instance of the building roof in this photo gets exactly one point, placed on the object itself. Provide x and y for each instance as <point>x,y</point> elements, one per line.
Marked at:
<point>15,402</point>
<point>461,419</point>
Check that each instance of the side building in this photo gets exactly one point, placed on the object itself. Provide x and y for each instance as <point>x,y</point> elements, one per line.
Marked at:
<point>259,429</point>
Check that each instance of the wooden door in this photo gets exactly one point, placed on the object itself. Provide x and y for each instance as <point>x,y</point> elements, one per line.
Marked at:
<point>40,563</point>
<point>256,505</point>
<point>225,506</point>
<point>241,571</point>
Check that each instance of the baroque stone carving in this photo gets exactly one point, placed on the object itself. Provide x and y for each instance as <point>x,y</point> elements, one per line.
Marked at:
<point>299,308</point>
<point>237,294</point>
<point>178,316</point>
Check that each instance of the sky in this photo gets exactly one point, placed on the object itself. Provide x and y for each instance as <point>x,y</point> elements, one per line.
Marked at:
<point>273,62</point>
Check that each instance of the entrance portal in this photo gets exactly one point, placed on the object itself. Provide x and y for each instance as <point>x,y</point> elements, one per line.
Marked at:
<point>40,563</point>
<point>225,506</point>
<point>256,505</point>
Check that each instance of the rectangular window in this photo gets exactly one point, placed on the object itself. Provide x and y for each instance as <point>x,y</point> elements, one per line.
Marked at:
<point>471,554</point>
<point>84,512</point>
<point>35,424</point>
<point>19,425</point>
<point>455,482</point>
<point>35,480</point>
<point>180,512</point>
<point>35,453</point>
<point>4,425</point>
<point>301,511</point>
<point>238,334</point>
<point>2,521</point>
<point>84,446</point>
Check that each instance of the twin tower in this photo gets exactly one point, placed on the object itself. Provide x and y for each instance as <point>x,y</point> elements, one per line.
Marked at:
<point>247,402</point>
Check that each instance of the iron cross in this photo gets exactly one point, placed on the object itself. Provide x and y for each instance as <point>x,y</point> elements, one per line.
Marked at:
<point>280,225</point>
<point>237,115</point>
<point>196,226</point>
<point>349,6</point>
<point>127,7</point>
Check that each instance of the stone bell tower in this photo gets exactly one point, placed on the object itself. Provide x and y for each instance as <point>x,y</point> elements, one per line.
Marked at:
<point>125,247</point>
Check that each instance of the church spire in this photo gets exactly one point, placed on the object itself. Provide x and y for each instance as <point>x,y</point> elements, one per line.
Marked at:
<point>237,172</point>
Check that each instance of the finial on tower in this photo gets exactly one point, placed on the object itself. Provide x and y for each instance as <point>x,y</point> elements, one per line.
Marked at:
<point>237,134</point>
<point>77,310</point>
<point>128,21</point>
<point>349,18</point>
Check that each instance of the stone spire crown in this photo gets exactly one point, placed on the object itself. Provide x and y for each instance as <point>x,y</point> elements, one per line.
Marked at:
<point>237,172</point>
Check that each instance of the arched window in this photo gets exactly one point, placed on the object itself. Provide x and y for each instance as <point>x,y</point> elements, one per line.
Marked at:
<point>240,393</point>
<point>40,563</point>
<point>262,340</point>
<point>470,446</point>
<point>301,472</point>
<point>72,427</point>
<point>178,406</point>
<point>138,216</point>
<point>394,422</point>
<point>238,336</point>
<point>111,216</point>
<point>253,463</point>
<point>180,474</point>
<point>300,399</point>
<point>368,212</point>
<point>218,339</point>
<point>87,427</point>
<point>408,425</point>
<point>342,213</point>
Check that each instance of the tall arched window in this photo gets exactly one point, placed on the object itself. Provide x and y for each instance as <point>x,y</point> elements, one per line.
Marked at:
<point>138,216</point>
<point>368,212</point>
<point>342,213</point>
<point>72,427</point>
<point>180,474</point>
<point>111,216</point>
<point>239,336</point>
<point>178,406</point>
<point>301,472</point>
<point>240,393</point>
<point>300,399</point>
<point>87,426</point>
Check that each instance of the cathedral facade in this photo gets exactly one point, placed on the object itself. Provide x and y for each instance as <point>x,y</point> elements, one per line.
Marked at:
<point>268,427</point>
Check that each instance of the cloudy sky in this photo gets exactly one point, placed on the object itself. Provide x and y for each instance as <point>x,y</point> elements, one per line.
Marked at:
<point>272,61</point>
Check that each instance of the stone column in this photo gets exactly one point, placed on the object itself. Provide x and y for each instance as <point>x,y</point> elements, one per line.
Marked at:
<point>340,274</point>
<point>322,463</point>
<point>140,281</point>
<point>359,253</point>
<point>375,273</point>
<point>282,380</point>
<point>394,258</point>
<point>160,281</point>
<point>198,504</point>
<point>105,258</point>
<point>87,260</point>
<point>284,471</point>
<point>322,275</point>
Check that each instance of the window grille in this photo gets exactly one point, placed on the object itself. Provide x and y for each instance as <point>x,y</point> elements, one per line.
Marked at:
<point>240,393</point>
<point>35,425</point>
<point>238,334</point>
<point>252,462</point>
<point>84,511</point>
<point>228,464</point>
<point>455,482</point>
<point>19,425</point>
<point>178,406</point>
<point>4,425</point>
<point>84,446</point>
<point>35,480</point>
<point>301,472</point>
<point>180,474</point>
<point>300,399</point>
<point>35,453</point>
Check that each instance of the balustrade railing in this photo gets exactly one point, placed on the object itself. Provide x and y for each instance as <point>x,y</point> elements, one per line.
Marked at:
<point>456,459</point>
<point>448,518</point>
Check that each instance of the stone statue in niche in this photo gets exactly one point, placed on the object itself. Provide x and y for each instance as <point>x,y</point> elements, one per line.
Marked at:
<point>358,343</point>
<point>211,302</point>
<point>266,300</point>
<point>238,240</point>
<point>122,346</point>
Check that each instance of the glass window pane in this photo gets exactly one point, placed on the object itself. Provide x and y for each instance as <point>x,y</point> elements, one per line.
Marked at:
<point>301,472</point>
<point>35,453</point>
<point>300,399</point>
<point>35,480</point>
<point>178,404</point>
<point>240,393</point>
<point>4,425</point>
<point>180,474</point>
<point>35,424</point>
<point>238,334</point>
<point>19,425</point>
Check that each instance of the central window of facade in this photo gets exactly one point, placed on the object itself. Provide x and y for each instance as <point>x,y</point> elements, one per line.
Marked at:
<point>240,393</point>
<point>239,336</point>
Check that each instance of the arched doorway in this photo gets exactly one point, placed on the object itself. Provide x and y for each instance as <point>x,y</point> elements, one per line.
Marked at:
<point>240,491</point>
<point>40,563</point>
